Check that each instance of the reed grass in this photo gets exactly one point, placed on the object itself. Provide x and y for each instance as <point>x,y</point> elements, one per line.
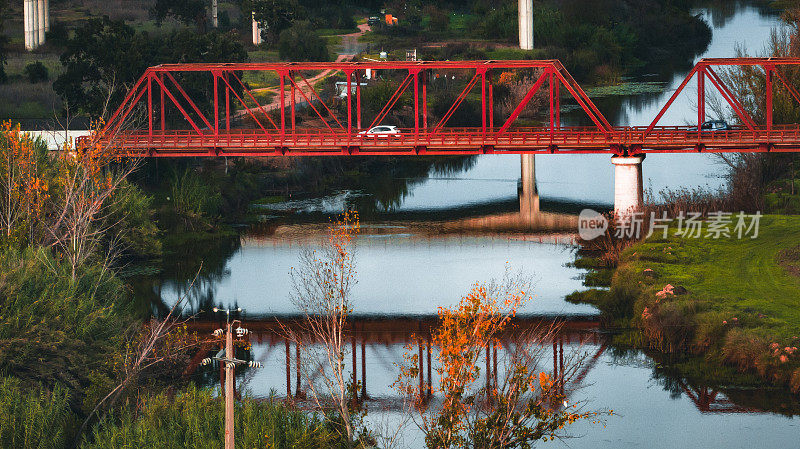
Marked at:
<point>194,418</point>
<point>34,418</point>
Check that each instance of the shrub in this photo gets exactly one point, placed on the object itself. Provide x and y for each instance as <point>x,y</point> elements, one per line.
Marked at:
<point>194,418</point>
<point>195,201</point>
<point>36,72</point>
<point>58,33</point>
<point>69,327</point>
<point>34,417</point>
<point>745,349</point>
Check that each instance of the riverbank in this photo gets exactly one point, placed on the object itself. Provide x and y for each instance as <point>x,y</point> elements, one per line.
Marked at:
<point>732,301</point>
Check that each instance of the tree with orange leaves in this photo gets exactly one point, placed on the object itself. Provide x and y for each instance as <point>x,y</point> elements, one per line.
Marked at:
<point>23,185</point>
<point>522,405</point>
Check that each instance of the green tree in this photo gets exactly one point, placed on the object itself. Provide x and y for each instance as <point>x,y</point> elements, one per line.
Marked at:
<point>101,62</point>
<point>186,11</point>
<point>36,72</point>
<point>276,16</point>
<point>3,43</point>
<point>97,74</point>
<point>301,43</point>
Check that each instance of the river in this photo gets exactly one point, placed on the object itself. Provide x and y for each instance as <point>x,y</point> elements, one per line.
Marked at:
<point>428,245</point>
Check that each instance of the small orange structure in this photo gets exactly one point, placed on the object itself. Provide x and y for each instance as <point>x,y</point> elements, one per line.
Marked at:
<point>390,19</point>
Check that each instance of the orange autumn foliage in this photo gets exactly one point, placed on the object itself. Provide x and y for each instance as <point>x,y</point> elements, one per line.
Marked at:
<point>23,188</point>
<point>515,411</point>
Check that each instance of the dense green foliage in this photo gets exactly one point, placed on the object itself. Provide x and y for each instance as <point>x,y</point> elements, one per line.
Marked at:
<point>55,330</point>
<point>301,43</point>
<point>33,418</point>
<point>36,72</point>
<point>95,70</point>
<point>3,43</point>
<point>64,313</point>
<point>279,15</point>
<point>195,418</point>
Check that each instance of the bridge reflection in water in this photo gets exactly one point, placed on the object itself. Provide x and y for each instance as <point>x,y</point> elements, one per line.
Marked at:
<point>377,344</point>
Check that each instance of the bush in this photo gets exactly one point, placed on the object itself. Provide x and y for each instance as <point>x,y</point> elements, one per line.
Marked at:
<point>134,230</point>
<point>34,418</point>
<point>36,72</point>
<point>301,43</point>
<point>58,34</point>
<point>194,418</point>
<point>69,327</point>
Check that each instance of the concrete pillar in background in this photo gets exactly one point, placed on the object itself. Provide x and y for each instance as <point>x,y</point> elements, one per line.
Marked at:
<point>256,31</point>
<point>214,13</point>
<point>26,14</point>
<point>628,185</point>
<point>46,15</point>
<point>40,21</point>
<point>525,13</point>
<point>31,35</point>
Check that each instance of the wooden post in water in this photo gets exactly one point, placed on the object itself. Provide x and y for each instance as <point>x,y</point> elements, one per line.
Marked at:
<point>355,367</point>
<point>363,365</point>
<point>288,371</point>
<point>297,392</point>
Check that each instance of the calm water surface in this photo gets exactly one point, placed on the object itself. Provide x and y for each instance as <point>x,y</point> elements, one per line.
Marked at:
<point>409,267</point>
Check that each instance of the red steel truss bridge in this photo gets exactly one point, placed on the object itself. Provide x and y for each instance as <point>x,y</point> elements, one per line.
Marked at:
<point>162,117</point>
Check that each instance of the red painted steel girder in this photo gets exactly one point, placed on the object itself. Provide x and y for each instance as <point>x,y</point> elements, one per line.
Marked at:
<point>704,70</point>
<point>206,135</point>
<point>162,88</point>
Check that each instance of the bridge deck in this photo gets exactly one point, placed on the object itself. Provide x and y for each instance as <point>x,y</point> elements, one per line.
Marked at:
<point>456,141</point>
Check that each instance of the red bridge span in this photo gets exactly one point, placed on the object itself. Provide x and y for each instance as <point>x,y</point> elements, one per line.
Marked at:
<point>209,110</point>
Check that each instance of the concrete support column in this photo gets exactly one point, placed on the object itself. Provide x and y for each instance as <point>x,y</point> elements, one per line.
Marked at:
<point>26,14</point>
<point>525,14</point>
<point>40,20</point>
<point>36,19</point>
<point>628,186</point>
<point>528,195</point>
<point>214,13</point>
<point>46,15</point>
<point>256,31</point>
<point>30,24</point>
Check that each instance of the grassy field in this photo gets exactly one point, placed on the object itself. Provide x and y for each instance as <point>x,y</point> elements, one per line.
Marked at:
<point>734,301</point>
<point>737,277</point>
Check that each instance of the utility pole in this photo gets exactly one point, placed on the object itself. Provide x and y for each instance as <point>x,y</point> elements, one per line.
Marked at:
<point>230,361</point>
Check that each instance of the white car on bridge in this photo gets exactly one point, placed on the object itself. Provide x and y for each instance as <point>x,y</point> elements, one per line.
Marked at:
<point>380,131</point>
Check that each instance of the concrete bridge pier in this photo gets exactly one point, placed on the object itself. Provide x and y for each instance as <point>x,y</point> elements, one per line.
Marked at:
<point>528,195</point>
<point>628,186</point>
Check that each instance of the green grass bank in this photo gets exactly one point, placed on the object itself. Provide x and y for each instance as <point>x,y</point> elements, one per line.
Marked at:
<point>732,301</point>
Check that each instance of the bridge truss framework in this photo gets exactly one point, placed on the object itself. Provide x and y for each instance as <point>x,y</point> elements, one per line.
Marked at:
<point>274,131</point>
